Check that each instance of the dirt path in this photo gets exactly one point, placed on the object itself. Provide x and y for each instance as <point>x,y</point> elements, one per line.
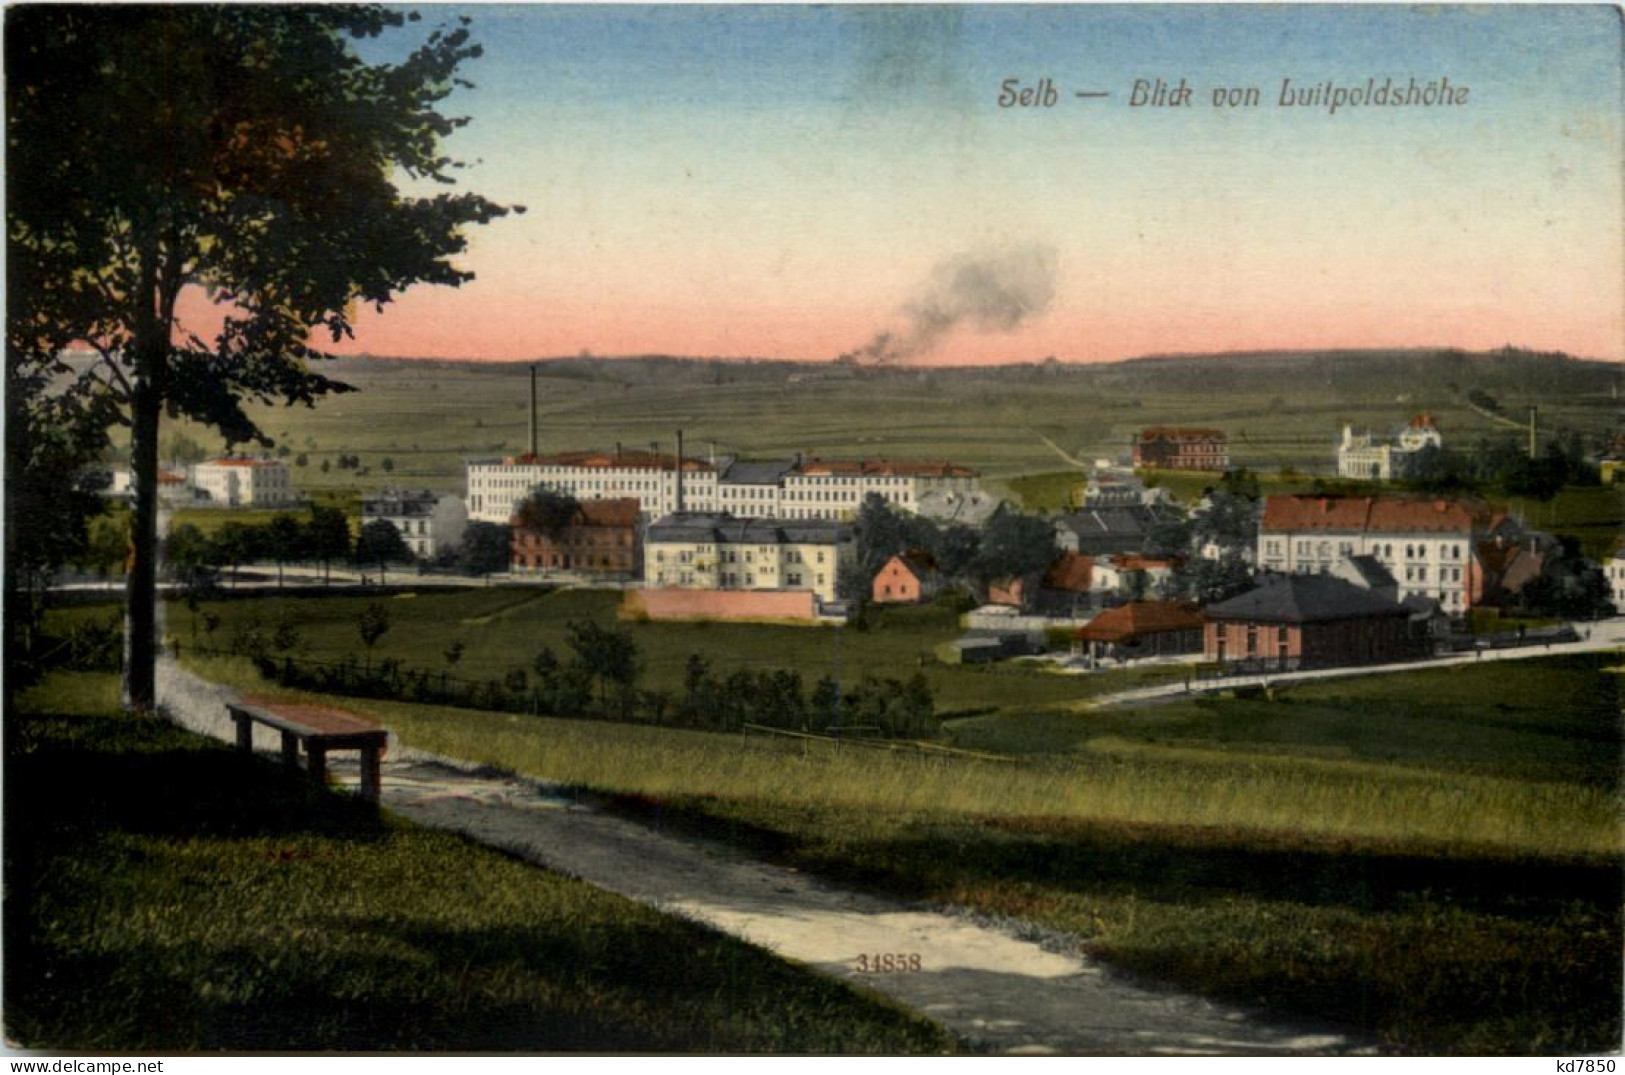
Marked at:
<point>1001,992</point>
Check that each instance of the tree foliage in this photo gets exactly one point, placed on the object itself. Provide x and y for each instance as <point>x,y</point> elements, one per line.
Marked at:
<point>246,154</point>
<point>547,511</point>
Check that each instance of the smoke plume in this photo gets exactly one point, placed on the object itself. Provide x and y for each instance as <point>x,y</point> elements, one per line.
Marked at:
<point>992,291</point>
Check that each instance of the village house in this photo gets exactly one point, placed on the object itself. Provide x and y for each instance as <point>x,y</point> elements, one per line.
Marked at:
<point>1427,543</point>
<point>1368,457</point>
<point>1132,575</point>
<point>174,487</point>
<point>1614,569</point>
<point>239,481</point>
<point>907,579</point>
<point>601,539</point>
<point>1105,489</point>
<point>1103,531</point>
<point>716,551</point>
<point>1141,629</point>
<point>1181,448</point>
<point>429,523</point>
<point>1307,621</point>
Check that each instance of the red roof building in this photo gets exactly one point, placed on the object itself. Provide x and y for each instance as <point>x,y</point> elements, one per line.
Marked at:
<point>600,540</point>
<point>1427,543</point>
<point>1182,448</point>
<point>1143,629</point>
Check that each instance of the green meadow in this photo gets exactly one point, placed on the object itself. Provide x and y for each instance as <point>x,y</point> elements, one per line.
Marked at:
<point>1431,857</point>
<point>166,894</point>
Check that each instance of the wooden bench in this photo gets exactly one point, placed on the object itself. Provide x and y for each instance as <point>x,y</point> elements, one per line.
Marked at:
<point>321,729</point>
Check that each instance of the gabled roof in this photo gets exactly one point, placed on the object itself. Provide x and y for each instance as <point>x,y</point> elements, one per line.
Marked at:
<point>1379,515</point>
<point>916,562</point>
<point>1071,573</point>
<point>1305,599</point>
<point>724,529</point>
<point>1180,433</point>
<point>1141,618</point>
<point>242,461</point>
<point>1133,561</point>
<point>1127,521</point>
<point>1370,570</point>
<point>755,472</point>
<point>593,459</point>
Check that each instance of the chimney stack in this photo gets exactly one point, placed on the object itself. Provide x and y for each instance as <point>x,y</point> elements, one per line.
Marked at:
<point>679,470</point>
<point>533,413</point>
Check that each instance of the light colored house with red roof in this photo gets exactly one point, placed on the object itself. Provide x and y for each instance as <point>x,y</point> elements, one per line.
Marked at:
<point>1427,543</point>
<point>907,579</point>
<point>1369,457</point>
<point>240,481</point>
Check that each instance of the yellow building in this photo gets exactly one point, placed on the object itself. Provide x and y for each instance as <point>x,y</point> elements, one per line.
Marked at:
<point>716,551</point>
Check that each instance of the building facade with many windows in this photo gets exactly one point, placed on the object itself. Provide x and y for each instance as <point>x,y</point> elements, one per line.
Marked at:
<point>1428,544</point>
<point>788,489</point>
<point>1368,457</point>
<point>717,551</point>
<point>242,482</point>
<point>1182,448</point>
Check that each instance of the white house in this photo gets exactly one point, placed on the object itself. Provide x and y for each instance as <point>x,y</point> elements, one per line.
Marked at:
<point>244,482</point>
<point>428,522</point>
<point>1368,457</point>
<point>1615,570</point>
<point>1429,544</point>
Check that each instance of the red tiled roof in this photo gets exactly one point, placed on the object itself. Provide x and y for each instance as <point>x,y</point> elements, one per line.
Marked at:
<point>917,562</point>
<point>1141,618</point>
<point>886,468</point>
<point>169,477</point>
<point>1390,515</point>
<point>1423,421</point>
<point>239,461</point>
<point>1072,573</point>
<point>611,460</point>
<point>1180,433</point>
<point>616,511</point>
<point>1133,561</point>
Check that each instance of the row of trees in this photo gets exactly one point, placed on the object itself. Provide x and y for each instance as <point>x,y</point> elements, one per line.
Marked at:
<point>598,676</point>
<point>323,537</point>
<point>1010,545</point>
<point>1504,465</point>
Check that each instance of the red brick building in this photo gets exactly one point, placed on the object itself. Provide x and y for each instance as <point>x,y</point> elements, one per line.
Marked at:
<point>1182,448</point>
<point>1307,621</point>
<point>601,539</point>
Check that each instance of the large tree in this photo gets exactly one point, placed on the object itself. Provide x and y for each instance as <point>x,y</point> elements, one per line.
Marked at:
<point>246,153</point>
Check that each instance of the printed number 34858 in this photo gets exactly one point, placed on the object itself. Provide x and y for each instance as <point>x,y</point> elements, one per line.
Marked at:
<point>888,962</point>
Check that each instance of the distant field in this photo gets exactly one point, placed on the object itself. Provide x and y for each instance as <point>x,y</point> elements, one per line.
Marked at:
<point>1434,857</point>
<point>427,418</point>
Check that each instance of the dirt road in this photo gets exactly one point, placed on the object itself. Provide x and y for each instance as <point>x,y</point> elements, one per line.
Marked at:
<point>998,990</point>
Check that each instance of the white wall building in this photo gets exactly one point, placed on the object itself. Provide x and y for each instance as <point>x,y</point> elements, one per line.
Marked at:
<point>244,482</point>
<point>716,551</point>
<point>1614,568</point>
<point>810,489</point>
<point>1367,457</point>
<point>428,522</point>
<point>1429,545</point>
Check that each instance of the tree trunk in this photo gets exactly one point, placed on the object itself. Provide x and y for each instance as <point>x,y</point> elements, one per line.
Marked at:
<point>141,583</point>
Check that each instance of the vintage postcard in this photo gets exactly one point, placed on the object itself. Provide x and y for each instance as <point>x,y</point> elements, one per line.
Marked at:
<point>906,530</point>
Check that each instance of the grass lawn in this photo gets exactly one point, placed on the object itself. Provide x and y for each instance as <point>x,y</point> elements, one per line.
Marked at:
<point>166,894</point>
<point>1433,857</point>
<point>504,629</point>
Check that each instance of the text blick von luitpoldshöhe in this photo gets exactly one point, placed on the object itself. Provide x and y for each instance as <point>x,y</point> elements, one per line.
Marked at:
<point>1328,95</point>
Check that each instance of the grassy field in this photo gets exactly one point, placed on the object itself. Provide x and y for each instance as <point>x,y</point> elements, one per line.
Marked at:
<point>429,417</point>
<point>1434,857</point>
<point>167,894</point>
<point>505,628</point>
